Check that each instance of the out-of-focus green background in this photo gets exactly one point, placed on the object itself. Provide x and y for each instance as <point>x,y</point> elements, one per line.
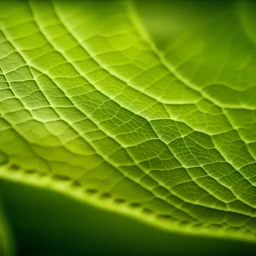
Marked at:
<point>45,223</point>
<point>165,20</point>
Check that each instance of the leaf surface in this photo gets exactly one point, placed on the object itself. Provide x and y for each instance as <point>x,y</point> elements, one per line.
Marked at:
<point>91,108</point>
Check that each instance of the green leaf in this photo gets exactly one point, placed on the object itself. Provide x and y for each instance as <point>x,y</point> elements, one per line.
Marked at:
<point>89,107</point>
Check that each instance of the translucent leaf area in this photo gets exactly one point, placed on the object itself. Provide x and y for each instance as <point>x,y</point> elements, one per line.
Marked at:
<point>94,106</point>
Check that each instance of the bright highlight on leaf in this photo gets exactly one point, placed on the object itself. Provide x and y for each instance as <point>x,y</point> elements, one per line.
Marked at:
<point>89,106</point>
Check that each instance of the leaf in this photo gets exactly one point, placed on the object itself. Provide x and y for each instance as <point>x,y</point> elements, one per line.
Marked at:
<point>91,108</point>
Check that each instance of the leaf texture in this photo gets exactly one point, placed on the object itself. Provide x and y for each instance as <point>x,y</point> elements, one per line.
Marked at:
<point>91,108</point>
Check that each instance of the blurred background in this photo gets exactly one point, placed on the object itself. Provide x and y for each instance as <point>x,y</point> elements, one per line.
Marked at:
<point>45,223</point>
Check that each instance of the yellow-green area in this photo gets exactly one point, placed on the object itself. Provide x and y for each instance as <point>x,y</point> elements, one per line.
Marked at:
<point>92,107</point>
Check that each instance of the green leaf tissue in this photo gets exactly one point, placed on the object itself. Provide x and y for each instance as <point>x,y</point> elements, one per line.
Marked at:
<point>143,108</point>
